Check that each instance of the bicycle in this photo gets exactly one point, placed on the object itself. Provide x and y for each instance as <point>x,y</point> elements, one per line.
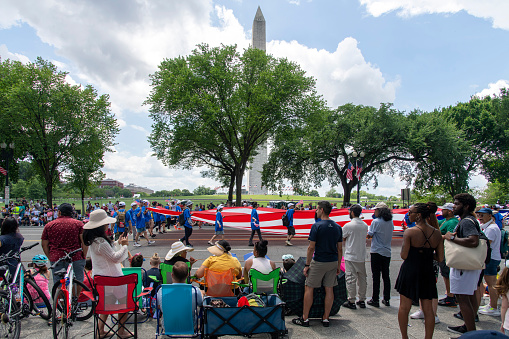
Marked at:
<point>66,308</point>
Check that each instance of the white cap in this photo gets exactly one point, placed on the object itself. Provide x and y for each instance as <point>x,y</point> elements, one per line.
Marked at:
<point>121,203</point>
<point>134,203</point>
<point>220,207</point>
<point>291,204</point>
<point>145,201</point>
<point>189,203</point>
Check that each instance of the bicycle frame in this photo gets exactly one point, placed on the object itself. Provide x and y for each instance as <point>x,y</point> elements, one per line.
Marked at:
<point>69,276</point>
<point>13,287</point>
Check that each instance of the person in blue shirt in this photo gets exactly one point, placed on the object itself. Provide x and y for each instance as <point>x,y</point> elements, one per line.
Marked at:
<point>178,208</point>
<point>121,224</point>
<point>188,224</point>
<point>130,219</point>
<point>140,227</point>
<point>147,217</point>
<point>498,217</point>
<point>255,224</point>
<point>291,229</point>
<point>408,223</point>
<point>219,225</point>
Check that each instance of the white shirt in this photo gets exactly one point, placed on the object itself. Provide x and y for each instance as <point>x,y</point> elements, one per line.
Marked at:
<point>106,259</point>
<point>493,233</point>
<point>354,246</point>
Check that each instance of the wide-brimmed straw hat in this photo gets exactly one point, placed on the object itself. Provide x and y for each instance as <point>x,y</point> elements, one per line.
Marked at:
<point>216,250</point>
<point>176,248</point>
<point>98,218</point>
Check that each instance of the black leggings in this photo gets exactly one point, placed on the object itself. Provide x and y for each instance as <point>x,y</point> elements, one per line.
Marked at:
<point>187,235</point>
<point>253,233</point>
<point>380,264</point>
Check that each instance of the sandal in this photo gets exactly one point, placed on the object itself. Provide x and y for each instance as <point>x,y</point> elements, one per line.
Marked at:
<point>300,321</point>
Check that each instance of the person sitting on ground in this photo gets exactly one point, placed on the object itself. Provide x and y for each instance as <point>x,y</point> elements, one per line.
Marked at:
<point>288,262</point>
<point>178,252</point>
<point>179,276</point>
<point>154,274</point>
<point>261,264</point>
<point>41,275</point>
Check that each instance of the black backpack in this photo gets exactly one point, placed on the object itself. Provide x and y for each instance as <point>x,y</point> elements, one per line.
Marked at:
<point>181,220</point>
<point>286,221</point>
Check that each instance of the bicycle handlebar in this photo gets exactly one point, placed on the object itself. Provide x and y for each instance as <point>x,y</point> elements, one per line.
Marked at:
<point>66,257</point>
<point>23,249</point>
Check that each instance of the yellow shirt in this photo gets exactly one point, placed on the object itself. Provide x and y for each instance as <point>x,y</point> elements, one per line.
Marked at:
<point>223,263</point>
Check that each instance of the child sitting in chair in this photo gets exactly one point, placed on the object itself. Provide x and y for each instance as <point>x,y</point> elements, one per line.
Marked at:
<point>154,274</point>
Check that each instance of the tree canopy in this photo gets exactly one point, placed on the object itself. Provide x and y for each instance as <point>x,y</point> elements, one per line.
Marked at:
<point>215,107</point>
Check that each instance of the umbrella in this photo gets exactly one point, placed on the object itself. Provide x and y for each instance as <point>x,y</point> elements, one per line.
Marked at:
<point>292,292</point>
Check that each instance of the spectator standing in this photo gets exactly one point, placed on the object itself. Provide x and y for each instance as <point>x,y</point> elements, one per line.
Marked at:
<point>219,229</point>
<point>325,241</point>
<point>291,228</point>
<point>448,225</point>
<point>492,232</point>
<point>354,238</point>
<point>64,235</point>
<point>188,224</point>
<point>255,224</point>
<point>380,232</point>
<point>464,282</point>
<point>10,240</point>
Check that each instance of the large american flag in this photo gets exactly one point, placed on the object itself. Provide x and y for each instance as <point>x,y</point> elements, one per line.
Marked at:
<point>3,171</point>
<point>349,171</point>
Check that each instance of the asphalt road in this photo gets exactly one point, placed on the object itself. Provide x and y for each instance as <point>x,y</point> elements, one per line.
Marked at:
<point>360,323</point>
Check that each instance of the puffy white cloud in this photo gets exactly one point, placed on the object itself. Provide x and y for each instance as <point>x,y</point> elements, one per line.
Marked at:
<point>343,75</point>
<point>495,10</point>
<point>493,88</point>
<point>5,54</point>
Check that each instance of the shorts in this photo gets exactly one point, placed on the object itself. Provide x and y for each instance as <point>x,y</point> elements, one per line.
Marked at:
<point>444,269</point>
<point>291,230</point>
<point>140,230</point>
<point>147,224</point>
<point>491,267</point>
<point>322,274</point>
<point>219,232</point>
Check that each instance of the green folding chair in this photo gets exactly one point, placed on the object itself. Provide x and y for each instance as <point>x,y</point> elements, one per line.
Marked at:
<point>166,272</point>
<point>256,276</point>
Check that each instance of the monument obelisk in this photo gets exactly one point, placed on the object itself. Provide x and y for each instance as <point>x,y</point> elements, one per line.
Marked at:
<point>254,175</point>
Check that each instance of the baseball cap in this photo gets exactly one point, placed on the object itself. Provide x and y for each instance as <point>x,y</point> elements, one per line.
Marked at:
<point>134,203</point>
<point>291,204</point>
<point>189,203</point>
<point>447,206</point>
<point>221,206</point>
<point>485,210</point>
<point>381,205</point>
<point>121,203</point>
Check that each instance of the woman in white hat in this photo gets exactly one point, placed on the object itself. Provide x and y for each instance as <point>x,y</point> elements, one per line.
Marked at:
<point>106,256</point>
<point>178,252</point>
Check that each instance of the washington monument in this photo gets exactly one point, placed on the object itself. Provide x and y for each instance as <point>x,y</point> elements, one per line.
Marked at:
<point>254,175</point>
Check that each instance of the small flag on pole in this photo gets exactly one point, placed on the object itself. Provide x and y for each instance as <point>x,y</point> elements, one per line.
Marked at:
<point>359,169</point>
<point>300,202</point>
<point>3,171</point>
<point>349,171</point>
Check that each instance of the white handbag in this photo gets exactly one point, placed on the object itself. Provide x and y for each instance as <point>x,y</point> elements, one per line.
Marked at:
<point>466,258</point>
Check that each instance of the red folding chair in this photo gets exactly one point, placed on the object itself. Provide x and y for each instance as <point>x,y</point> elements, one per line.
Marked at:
<point>113,296</point>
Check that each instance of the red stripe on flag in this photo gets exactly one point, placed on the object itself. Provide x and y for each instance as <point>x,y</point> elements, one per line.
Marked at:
<point>3,171</point>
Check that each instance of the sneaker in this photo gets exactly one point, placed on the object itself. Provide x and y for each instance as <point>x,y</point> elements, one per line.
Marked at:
<point>154,235</point>
<point>361,304</point>
<point>142,236</point>
<point>326,323</point>
<point>386,302</point>
<point>448,302</point>
<point>373,303</point>
<point>495,312</point>
<point>136,244</point>
<point>459,316</point>
<point>457,329</point>
<point>150,242</point>
<point>299,321</point>
<point>419,314</point>
<point>485,307</point>
<point>288,243</point>
<point>437,320</point>
<point>210,243</point>
<point>350,305</point>
<point>251,244</point>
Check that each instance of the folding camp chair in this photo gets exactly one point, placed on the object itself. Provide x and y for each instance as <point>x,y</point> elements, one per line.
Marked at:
<point>255,277</point>
<point>219,283</point>
<point>166,272</point>
<point>113,296</point>
<point>180,317</point>
<point>144,302</point>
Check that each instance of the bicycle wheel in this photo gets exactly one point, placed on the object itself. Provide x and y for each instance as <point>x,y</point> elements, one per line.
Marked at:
<point>10,326</point>
<point>28,304</point>
<point>59,315</point>
<point>41,306</point>
<point>85,309</point>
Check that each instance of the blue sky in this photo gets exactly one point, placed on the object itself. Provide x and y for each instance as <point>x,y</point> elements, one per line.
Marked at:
<point>417,54</point>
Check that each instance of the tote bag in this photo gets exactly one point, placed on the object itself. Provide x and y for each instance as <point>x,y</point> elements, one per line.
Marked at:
<point>466,258</point>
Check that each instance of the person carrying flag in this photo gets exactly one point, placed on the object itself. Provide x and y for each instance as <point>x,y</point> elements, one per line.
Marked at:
<point>218,226</point>
<point>188,224</point>
<point>291,229</point>
<point>255,224</point>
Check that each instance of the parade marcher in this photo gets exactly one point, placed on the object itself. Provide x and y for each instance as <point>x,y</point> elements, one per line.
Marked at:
<point>188,224</point>
<point>219,229</point>
<point>290,227</point>
<point>255,224</point>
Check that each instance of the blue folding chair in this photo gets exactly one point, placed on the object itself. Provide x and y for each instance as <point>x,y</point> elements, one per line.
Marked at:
<point>250,254</point>
<point>179,318</point>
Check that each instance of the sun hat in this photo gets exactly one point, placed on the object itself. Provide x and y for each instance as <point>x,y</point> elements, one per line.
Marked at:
<point>448,206</point>
<point>98,218</point>
<point>176,248</point>
<point>121,203</point>
<point>216,250</point>
<point>381,205</point>
<point>485,210</point>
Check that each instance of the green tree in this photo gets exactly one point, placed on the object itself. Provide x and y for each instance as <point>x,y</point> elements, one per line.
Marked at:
<point>49,119</point>
<point>319,147</point>
<point>216,107</point>
<point>314,193</point>
<point>202,190</point>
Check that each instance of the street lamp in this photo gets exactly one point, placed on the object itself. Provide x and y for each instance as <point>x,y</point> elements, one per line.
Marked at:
<point>7,155</point>
<point>358,157</point>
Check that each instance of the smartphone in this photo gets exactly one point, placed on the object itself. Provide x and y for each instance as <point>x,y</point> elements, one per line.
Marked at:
<point>125,234</point>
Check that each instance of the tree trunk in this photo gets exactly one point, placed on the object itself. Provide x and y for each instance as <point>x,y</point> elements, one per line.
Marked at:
<point>82,202</point>
<point>238,182</point>
<point>347,189</point>
<point>231,187</point>
<point>49,192</point>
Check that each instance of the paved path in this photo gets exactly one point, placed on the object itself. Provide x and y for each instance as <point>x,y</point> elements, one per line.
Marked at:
<point>360,323</point>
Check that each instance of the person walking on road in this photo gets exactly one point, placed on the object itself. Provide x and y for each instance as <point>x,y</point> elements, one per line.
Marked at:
<point>291,228</point>
<point>219,230</point>
<point>188,224</point>
<point>255,224</point>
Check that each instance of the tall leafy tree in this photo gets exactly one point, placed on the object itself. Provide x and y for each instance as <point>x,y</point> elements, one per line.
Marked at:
<point>216,106</point>
<point>50,120</point>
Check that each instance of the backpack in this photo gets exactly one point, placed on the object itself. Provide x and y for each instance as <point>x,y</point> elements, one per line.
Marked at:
<point>504,243</point>
<point>121,216</point>
<point>286,221</point>
<point>181,220</point>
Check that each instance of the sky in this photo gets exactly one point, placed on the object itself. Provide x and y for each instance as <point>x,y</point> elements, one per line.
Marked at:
<point>422,54</point>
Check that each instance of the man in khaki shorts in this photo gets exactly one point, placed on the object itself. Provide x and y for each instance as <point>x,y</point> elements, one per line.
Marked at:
<point>325,240</point>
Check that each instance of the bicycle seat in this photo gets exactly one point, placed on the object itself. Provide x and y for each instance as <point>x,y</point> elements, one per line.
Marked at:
<point>4,268</point>
<point>61,273</point>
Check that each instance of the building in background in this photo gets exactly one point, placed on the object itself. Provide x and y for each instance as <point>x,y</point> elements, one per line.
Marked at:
<point>138,189</point>
<point>107,183</point>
